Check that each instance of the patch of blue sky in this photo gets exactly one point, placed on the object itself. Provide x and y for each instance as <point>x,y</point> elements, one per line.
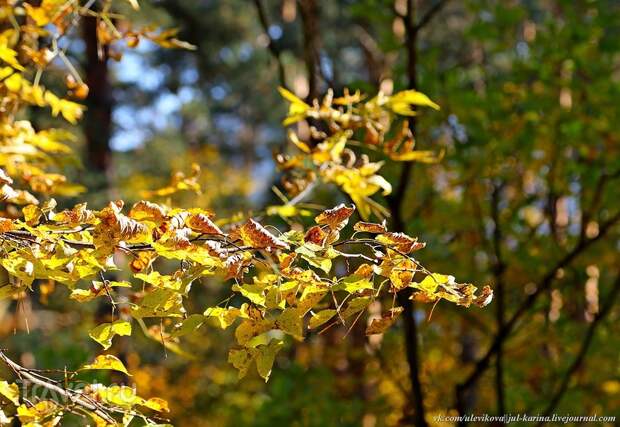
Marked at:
<point>134,68</point>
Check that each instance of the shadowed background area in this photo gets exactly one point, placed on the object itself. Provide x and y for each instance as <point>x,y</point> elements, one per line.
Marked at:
<point>525,199</point>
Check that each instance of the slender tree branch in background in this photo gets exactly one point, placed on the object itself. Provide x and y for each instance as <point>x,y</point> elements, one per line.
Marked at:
<point>411,30</point>
<point>602,182</point>
<point>428,16</point>
<point>500,304</point>
<point>610,300</point>
<point>543,285</point>
<point>98,116</point>
<point>374,56</point>
<point>272,46</point>
<point>396,203</point>
<point>310,25</point>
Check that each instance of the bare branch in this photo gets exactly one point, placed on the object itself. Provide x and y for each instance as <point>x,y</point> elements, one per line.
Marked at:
<point>71,395</point>
<point>544,284</point>
<point>498,271</point>
<point>272,46</point>
<point>610,300</point>
<point>309,17</point>
<point>428,16</point>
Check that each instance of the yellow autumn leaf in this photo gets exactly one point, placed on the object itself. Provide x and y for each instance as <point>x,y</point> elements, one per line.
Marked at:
<point>104,333</point>
<point>297,108</point>
<point>156,404</point>
<point>32,414</point>
<point>14,82</point>
<point>400,241</point>
<point>355,306</point>
<point>290,321</point>
<point>10,391</point>
<point>9,56</point>
<point>401,102</point>
<point>106,361</point>
<point>241,358</point>
<point>159,303</point>
<point>189,325</point>
<point>224,317</point>
<point>134,4</point>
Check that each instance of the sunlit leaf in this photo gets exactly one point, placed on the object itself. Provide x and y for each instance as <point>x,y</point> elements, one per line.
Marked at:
<point>107,362</point>
<point>104,333</point>
<point>10,391</point>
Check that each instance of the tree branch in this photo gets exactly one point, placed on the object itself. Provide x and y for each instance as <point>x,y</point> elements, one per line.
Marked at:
<point>309,18</point>
<point>500,306</point>
<point>428,16</point>
<point>395,204</point>
<point>544,284</point>
<point>610,300</point>
<point>71,395</point>
<point>273,48</point>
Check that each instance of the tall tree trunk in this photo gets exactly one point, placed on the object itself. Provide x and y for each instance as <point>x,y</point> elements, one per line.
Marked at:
<point>98,117</point>
<point>310,24</point>
<point>396,204</point>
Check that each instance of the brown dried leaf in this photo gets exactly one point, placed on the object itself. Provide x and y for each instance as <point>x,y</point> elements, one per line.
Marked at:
<point>150,211</point>
<point>401,242</point>
<point>235,265</point>
<point>315,235</point>
<point>6,225</point>
<point>485,297</point>
<point>335,218</point>
<point>115,226</point>
<point>370,227</point>
<point>255,235</point>
<point>76,216</point>
<point>365,270</point>
<point>379,326</point>
<point>203,224</point>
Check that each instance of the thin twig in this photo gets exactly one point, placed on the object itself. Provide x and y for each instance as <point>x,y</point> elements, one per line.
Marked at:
<point>271,45</point>
<point>610,300</point>
<point>73,397</point>
<point>543,285</point>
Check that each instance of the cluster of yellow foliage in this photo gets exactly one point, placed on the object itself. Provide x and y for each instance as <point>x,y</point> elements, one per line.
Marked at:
<point>329,156</point>
<point>287,279</point>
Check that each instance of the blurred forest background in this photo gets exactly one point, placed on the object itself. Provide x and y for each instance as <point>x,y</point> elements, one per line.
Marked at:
<point>525,199</point>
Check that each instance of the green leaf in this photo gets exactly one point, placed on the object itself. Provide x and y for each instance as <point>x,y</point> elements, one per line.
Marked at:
<point>189,325</point>
<point>355,306</point>
<point>160,303</point>
<point>265,357</point>
<point>290,321</point>
<point>241,358</point>
<point>320,318</point>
